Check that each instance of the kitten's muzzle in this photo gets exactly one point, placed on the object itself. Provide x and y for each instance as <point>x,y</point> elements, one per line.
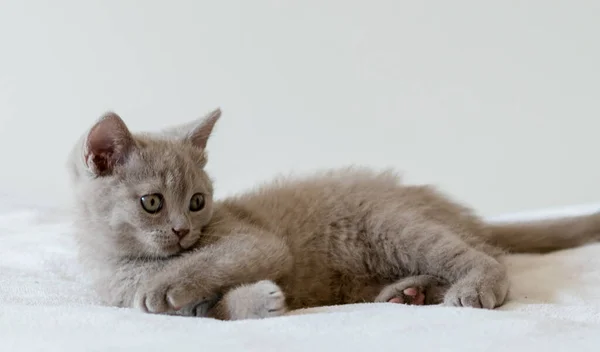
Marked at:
<point>188,240</point>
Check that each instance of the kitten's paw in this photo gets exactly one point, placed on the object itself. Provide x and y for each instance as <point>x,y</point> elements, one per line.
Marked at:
<point>259,300</point>
<point>413,296</point>
<point>152,300</point>
<point>164,296</point>
<point>415,290</point>
<point>201,310</point>
<point>482,291</point>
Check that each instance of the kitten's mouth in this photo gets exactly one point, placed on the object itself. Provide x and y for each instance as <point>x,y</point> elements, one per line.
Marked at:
<point>188,241</point>
<point>172,249</point>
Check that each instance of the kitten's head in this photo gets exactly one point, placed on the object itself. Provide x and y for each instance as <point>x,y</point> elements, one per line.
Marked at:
<point>142,195</point>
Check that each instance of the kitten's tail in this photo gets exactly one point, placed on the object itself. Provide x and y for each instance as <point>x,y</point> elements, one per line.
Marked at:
<point>545,235</point>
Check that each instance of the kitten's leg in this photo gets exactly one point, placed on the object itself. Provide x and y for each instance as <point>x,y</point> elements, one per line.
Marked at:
<point>254,301</point>
<point>414,290</point>
<point>477,279</point>
<point>196,276</point>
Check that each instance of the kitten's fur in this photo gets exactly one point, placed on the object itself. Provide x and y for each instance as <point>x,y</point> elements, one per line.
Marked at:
<point>343,236</point>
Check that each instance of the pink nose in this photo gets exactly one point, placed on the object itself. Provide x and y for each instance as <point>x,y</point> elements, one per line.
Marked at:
<point>180,232</point>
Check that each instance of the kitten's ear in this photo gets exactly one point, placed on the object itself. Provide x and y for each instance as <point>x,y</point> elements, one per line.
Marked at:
<point>201,130</point>
<point>107,145</point>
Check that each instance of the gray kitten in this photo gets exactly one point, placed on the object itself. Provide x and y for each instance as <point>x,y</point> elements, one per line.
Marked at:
<point>152,237</point>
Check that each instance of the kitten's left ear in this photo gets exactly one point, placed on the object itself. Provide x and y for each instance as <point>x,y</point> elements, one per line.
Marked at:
<point>200,133</point>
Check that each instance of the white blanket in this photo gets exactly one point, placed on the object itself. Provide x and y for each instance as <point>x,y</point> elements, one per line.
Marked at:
<point>554,305</point>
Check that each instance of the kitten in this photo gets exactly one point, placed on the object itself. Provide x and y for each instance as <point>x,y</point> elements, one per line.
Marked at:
<point>151,235</point>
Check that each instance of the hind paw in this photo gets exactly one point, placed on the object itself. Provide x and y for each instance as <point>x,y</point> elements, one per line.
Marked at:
<point>416,290</point>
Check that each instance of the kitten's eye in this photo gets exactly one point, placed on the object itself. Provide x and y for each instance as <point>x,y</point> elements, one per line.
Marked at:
<point>197,202</point>
<point>152,203</point>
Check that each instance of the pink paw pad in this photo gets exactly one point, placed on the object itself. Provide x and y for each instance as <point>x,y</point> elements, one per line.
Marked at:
<point>411,296</point>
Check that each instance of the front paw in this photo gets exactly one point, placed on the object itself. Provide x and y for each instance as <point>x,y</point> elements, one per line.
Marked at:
<point>165,296</point>
<point>262,299</point>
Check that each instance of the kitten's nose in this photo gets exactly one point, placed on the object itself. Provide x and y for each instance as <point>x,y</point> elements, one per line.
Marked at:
<point>180,232</point>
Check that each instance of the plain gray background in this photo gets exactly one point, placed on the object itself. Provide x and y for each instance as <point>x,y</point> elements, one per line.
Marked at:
<point>496,102</point>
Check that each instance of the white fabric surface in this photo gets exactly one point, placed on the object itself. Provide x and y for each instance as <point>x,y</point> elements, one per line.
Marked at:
<point>554,305</point>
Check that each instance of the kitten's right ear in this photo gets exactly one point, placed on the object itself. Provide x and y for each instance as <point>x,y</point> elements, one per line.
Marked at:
<point>107,145</point>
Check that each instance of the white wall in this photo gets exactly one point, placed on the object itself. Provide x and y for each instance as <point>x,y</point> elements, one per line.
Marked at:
<point>496,102</point>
